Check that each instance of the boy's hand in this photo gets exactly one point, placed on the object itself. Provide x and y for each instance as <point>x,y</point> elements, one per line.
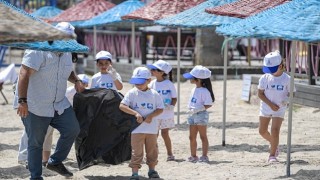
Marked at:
<point>113,73</point>
<point>139,118</point>
<point>274,107</point>
<point>148,119</point>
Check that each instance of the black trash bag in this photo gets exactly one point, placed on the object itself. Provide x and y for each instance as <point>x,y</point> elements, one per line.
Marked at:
<point>104,129</point>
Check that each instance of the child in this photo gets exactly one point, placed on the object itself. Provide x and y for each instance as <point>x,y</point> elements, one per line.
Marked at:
<point>71,91</point>
<point>161,69</point>
<point>145,104</point>
<point>201,99</point>
<point>273,90</point>
<point>108,76</point>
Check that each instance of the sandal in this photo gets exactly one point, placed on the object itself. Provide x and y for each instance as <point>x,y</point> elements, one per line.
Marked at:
<point>153,174</point>
<point>170,158</point>
<point>193,159</point>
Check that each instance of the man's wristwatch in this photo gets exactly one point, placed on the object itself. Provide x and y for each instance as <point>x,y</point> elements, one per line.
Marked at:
<point>22,100</point>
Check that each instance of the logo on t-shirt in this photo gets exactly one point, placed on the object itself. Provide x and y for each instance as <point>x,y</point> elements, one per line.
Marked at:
<point>194,100</point>
<point>146,106</point>
<point>280,87</point>
<point>106,85</point>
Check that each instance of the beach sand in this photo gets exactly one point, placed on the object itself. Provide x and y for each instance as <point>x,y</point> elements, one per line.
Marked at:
<point>244,156</point>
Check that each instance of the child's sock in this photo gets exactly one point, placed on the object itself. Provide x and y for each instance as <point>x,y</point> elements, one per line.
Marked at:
<point>135,174</point>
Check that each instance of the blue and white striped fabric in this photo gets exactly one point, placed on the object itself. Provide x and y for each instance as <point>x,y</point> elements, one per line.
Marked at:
<point>196,17</point>
<point>295,20</point>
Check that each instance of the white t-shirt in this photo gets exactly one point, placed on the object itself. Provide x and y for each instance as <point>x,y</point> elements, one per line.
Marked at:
<point>103,81</point>
<point>144,102</point>
<point>199,97</point>
<point>71,91</point>
<point>276,89</point>
<point>167,91</point>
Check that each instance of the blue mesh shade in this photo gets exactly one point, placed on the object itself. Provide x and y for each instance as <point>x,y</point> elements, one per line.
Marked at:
<point>46,12</point>
<point>113,16</point>
<point>196,17</point>
<point>56,46</point>
<point>295,20</point>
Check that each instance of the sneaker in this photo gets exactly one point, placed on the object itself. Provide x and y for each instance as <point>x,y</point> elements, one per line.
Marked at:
<point>60,169</point>
<point>134,177</point>
<point>204,159</point>
<point>153,174</point>
<point>193,159</point>
<point>272,159</point>
<point>170,158</point>
<point>44,164</point>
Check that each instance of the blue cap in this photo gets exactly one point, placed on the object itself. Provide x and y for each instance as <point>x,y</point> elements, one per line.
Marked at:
<point>188,76</point>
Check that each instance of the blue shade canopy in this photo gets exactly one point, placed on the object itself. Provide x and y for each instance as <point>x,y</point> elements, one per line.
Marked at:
<point>295,20</point>
<point>113,16</point>
<point>56,46</point>
<point>196,17</point>
<point>47,12</point>
<point>17,25</point>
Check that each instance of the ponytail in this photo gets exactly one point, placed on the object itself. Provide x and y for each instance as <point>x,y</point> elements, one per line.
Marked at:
<point>169,75</point>
<point>207,84</point>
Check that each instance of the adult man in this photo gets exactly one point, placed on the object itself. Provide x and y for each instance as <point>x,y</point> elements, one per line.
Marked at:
<point>41,98</point>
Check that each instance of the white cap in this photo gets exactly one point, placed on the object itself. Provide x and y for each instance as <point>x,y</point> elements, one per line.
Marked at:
<point>140,75</point>
<point>161,65</point>
<point>84,78</point>
<point>65,27</point>
<point>103,55</point>
<point>199,72</point>
<point>271,62</point>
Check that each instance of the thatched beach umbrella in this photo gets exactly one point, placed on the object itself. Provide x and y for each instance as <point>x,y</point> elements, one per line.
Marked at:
<point>82,11</point>
<point>46,12</point>
<point>17,25</point>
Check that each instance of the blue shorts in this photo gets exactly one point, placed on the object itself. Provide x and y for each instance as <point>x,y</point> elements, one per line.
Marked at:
<point>199,118</point>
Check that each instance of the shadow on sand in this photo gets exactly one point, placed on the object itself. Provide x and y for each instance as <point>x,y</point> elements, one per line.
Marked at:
<point>218,125</point>
<point>304,174</point>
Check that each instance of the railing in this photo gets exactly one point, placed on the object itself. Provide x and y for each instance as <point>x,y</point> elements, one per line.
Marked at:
<point>30,5</point>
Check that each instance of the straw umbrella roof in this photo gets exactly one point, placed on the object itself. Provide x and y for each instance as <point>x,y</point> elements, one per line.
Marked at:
<point>17,25</point>
<point>191,17</point>
<point>295,20</point>
<point>113,16</point>
<point>159,9</point>
<point>244,8</point>
<point>82,11</point>
<point>46,12</point>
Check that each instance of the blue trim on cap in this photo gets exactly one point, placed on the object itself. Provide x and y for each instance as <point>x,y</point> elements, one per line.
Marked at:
<point>188,76</point>
<point>137,80</point>
<point>271,70</point>
<point>151,66</point>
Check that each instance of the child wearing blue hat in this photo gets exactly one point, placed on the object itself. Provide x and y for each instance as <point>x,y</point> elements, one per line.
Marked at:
<point>145,104</point>
<point>273,90</point>
<point>201,99</point>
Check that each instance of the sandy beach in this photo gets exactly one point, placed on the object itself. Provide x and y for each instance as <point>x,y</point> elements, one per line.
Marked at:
<point>244,156</point>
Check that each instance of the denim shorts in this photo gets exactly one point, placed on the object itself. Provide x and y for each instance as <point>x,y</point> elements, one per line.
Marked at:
<point>199,118</point>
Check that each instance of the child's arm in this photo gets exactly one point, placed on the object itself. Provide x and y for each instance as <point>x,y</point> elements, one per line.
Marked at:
<point>263,98</point>
<point>128,110</point>
<point>152,115</point>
